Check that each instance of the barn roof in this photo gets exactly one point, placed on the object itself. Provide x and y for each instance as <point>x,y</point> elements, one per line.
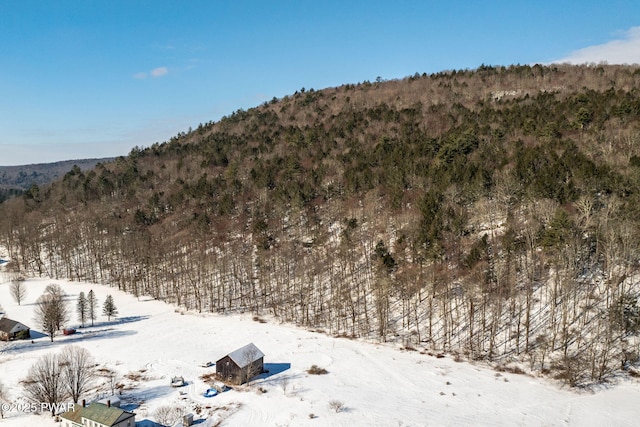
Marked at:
<point>246,355</point>
<point>8,325</point>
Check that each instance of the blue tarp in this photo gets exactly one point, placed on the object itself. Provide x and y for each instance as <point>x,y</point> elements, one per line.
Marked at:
<point>210,392</point>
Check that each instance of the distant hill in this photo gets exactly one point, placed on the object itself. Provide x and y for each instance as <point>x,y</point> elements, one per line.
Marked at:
<point>15,179</point>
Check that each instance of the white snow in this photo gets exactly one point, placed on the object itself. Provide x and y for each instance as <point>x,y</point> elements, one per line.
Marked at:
<point>378,384</point>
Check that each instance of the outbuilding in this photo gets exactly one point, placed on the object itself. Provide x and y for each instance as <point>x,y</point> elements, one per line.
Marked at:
<point>11,330</point>
<point>240,365</point>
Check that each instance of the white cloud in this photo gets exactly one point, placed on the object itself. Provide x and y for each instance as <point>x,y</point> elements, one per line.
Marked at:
<point>625,50</point>
<point>156,72</point>
<point>159,72</point>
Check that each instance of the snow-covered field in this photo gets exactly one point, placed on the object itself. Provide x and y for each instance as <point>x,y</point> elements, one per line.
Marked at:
<point>377,384</point>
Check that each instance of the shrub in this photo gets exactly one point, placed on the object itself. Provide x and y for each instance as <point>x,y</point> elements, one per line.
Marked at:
<point>167,415</point>
<point>336,405</point>
<point>316,370</point>
<point>23,335</point>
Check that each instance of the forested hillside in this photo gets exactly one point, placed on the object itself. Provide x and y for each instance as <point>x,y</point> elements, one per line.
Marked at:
<point>491,213</point>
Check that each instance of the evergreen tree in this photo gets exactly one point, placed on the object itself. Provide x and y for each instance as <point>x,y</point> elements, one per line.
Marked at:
<point>92,305</point>
<point>109,308</point>
<point>83,308</point>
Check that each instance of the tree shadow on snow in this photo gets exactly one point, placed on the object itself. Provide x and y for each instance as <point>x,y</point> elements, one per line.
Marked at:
<point>148,423</point>
<point>117,321</point>
<point>36,334</point>
<point>44,342</point>
<point>140,394</point>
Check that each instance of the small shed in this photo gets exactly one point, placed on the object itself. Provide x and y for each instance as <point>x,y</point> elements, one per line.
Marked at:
<point>11,330</point>
<point>240,365</point>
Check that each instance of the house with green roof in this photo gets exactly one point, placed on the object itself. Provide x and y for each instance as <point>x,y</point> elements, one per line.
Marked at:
<point>98,415</point>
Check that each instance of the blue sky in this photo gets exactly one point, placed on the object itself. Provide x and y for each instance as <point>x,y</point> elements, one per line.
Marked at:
<point>86,78</point>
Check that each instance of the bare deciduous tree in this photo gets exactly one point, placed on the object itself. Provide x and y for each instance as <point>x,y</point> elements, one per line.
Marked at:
<point>18,290</point>
<point>250,354</point>
<point>51,311</point>
<point>112,379</point>
<point>44,315</point>
<point>61,310</point>
<point>3,399</point>
<point>284,383</point>
<point>44,382</point>
<point>167,415</point>
<point>77,371</point>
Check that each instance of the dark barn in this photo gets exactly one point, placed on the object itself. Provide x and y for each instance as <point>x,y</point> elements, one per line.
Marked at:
<point>241,365</point>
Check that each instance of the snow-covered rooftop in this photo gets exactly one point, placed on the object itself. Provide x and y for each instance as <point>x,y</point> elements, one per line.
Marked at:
<point>246,355</point>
